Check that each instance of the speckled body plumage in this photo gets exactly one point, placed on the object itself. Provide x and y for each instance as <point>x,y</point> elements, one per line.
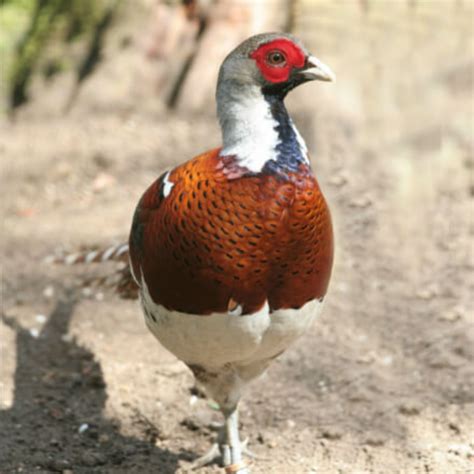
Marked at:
<point>252,239</point>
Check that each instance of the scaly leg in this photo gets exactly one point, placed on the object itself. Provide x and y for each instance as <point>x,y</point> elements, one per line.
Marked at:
<point>228,448</point>
<point>232,448</point>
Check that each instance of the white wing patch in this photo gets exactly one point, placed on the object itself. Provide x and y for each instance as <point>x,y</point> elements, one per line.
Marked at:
<point>167,185</point>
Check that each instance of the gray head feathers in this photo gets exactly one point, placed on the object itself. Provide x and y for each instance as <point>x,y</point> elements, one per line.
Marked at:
<point>240,70</point>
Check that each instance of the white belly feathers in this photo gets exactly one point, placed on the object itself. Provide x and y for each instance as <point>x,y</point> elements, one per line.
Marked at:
<point>217,339</point>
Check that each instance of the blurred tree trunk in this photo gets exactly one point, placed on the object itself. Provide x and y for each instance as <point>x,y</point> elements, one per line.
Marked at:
<point>227,23</point>
<point>190,40</point>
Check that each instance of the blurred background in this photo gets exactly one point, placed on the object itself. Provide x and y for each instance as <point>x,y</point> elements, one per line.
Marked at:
<point>99,97</point>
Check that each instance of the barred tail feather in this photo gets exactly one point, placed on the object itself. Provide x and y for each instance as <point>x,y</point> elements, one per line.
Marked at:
<point>117,253</point>
<point>120,280</point>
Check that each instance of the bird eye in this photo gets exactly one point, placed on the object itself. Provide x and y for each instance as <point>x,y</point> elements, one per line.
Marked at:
<point>276,58</point>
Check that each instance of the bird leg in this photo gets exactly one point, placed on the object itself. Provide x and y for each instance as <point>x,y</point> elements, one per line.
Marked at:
<point>232,448</point>
<point>228,447</point>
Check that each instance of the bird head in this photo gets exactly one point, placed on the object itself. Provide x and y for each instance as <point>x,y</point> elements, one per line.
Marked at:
<point>274,62</point>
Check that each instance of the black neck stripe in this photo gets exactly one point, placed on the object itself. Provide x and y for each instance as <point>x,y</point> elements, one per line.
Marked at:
<point>289,154</point>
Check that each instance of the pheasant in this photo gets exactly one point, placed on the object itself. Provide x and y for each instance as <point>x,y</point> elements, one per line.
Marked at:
<point>232,251</point>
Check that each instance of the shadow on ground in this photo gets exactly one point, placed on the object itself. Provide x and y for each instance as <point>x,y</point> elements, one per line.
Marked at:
<point>56,420</point>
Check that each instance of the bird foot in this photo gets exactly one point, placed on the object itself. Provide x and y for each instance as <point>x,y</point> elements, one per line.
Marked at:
<point>247,451</point>
<point>211,456</point>
<point>232,462</point>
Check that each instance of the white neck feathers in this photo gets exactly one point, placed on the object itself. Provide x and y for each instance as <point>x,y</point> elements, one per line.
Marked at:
<point>248,129</point>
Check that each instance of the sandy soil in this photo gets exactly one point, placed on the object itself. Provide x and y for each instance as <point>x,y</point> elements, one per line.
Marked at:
<point>383,383</point>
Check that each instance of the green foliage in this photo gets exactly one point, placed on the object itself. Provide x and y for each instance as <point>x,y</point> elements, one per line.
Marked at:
<point>61,21</point>
<point>14,16</point>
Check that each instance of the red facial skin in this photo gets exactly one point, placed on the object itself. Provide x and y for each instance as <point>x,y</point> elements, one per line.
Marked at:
<point>295,58</point>
<point>214,241</point>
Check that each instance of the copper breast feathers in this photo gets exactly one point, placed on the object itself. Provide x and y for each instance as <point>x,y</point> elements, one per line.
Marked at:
<point>204,243</point>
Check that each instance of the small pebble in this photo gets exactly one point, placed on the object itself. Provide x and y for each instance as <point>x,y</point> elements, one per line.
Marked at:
<point>386,360</point>
<point>454,427</point>
<point>338,180</point>
<point>367,358</point>
<point>57,464</point>
<point>48,292</point>
<point>67,337</point>
<point>332,433</point>
<point>41,318</point>
<point>87,292</point>
<point>290,424</point>
<point>83,428</point>
<point>426,294</point>
<point>453,314</point>
<point>102,160</point>
<point>34,333</point>
<point>190,424</point>
<point>93,459</point>
<point>409,409</point>
<point>103,181</point>
<point>375,441</point>
<point>361,202</point>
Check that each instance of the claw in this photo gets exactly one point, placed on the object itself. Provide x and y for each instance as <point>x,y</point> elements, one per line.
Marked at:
<point>247,451</point>
<point>222,454</point>
<point>212,455</point>
<point>228,449</point>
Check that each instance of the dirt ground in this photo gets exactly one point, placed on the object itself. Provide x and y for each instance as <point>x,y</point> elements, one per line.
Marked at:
<point>383,382</point>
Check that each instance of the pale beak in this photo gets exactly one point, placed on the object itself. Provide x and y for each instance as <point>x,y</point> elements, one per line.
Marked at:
<point>317,70</point>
